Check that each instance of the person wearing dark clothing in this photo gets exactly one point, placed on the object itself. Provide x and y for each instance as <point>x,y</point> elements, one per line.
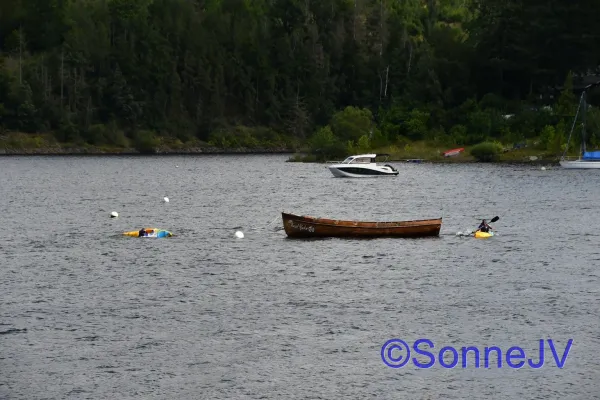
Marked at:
<point>142,233</point>
<point>484,227</point>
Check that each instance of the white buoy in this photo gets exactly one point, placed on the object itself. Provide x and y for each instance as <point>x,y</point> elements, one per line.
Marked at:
<point>114,214</point>
<point>543,168</point>
<point>166,199</point>
<point>239,234</point>
<point>177,166</point>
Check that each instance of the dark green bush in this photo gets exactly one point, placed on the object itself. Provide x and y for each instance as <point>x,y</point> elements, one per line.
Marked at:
<point>145,141</point>
<point>486,151</point>
<point>325,145</point>
<point>67,132</point>
<point>97,135</point>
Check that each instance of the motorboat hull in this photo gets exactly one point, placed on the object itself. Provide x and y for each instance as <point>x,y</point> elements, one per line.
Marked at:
<point>366,171</point>
<point>580,164</point>
<point>296,226</point>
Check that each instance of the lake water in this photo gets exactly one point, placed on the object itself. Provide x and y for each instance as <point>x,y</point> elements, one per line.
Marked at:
<point>86,313</point>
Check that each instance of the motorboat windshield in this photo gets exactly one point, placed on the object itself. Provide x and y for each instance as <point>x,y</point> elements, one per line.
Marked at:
<point>362,159</point>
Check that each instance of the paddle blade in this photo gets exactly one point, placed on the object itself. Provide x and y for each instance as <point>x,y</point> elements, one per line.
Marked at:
<point>496,218</point>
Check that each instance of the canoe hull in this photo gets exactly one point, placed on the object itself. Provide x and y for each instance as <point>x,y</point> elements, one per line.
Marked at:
<point>309,227</point>
<point>453,152</point>
<point>483,235</point>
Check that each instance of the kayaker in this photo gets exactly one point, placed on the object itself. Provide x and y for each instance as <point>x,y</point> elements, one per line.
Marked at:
<point>484,227</point>
<point>142,233</point>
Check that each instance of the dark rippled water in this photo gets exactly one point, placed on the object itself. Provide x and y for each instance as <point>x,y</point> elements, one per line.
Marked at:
<point>88,314</point>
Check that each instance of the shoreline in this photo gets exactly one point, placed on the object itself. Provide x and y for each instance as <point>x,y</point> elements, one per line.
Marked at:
<point>461,160</point>
<point>58,151</point>
<point>507,162</point>
<point>91,151</point>
<point>81,151</point>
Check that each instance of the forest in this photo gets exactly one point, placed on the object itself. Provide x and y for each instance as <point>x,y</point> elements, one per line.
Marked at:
<point>335,75</point>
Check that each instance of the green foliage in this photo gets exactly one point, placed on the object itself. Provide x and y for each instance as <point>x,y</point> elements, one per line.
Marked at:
<point>378,139</point>
<point>97,135</point>
<point>479,126</point>
<point>486,151</point>
<point>249,138</point>
<point>352,123</point>
<point>416,124</point>
<point>232,138</point>
<point>325,144</point>
<point>459,134</point>
<point>592,127</point>
<point>145,141</point>
<point>115,136</point>
<point>322,139</point>
<point>242,73</point>
<point>362,146</point>
<point>558,144</point>
<point>493,101</point>
<point>567,103</point>
<point>391,121</point>
<point>107,135</point>
<point>26,141</point>
<point>67,132</point>
<point>14,42</point>
<point>552,139</point>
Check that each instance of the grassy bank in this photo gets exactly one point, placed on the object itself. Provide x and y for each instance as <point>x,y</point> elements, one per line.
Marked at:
<point>16,143</point>
<point>431,152</point>
<point>46,144</point>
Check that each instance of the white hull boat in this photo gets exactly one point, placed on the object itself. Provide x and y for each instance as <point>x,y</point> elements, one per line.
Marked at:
<point>580,164</point>
<point>361,166</point>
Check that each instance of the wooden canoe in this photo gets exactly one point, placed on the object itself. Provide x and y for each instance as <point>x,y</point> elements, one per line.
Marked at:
<point>306,227</point>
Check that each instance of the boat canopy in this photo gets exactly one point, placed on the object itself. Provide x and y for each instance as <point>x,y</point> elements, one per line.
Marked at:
<point>360,159</point>
<point>591,155</point>
<point>363,158</point>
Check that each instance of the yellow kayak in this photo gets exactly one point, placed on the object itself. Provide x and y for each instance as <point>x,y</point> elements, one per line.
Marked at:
<point>482,235</point>
<point>149,232</point>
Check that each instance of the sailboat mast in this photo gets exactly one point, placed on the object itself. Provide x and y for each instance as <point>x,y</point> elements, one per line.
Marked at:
<point>573,126</point>
<point>584,104</point>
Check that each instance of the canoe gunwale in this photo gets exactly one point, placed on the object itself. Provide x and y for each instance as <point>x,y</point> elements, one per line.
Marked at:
<point>306,226</point>
<point>362,224</point>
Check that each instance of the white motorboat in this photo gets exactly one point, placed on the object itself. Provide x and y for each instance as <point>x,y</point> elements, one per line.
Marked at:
<point>586,159</point>
<point>362,166</point>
